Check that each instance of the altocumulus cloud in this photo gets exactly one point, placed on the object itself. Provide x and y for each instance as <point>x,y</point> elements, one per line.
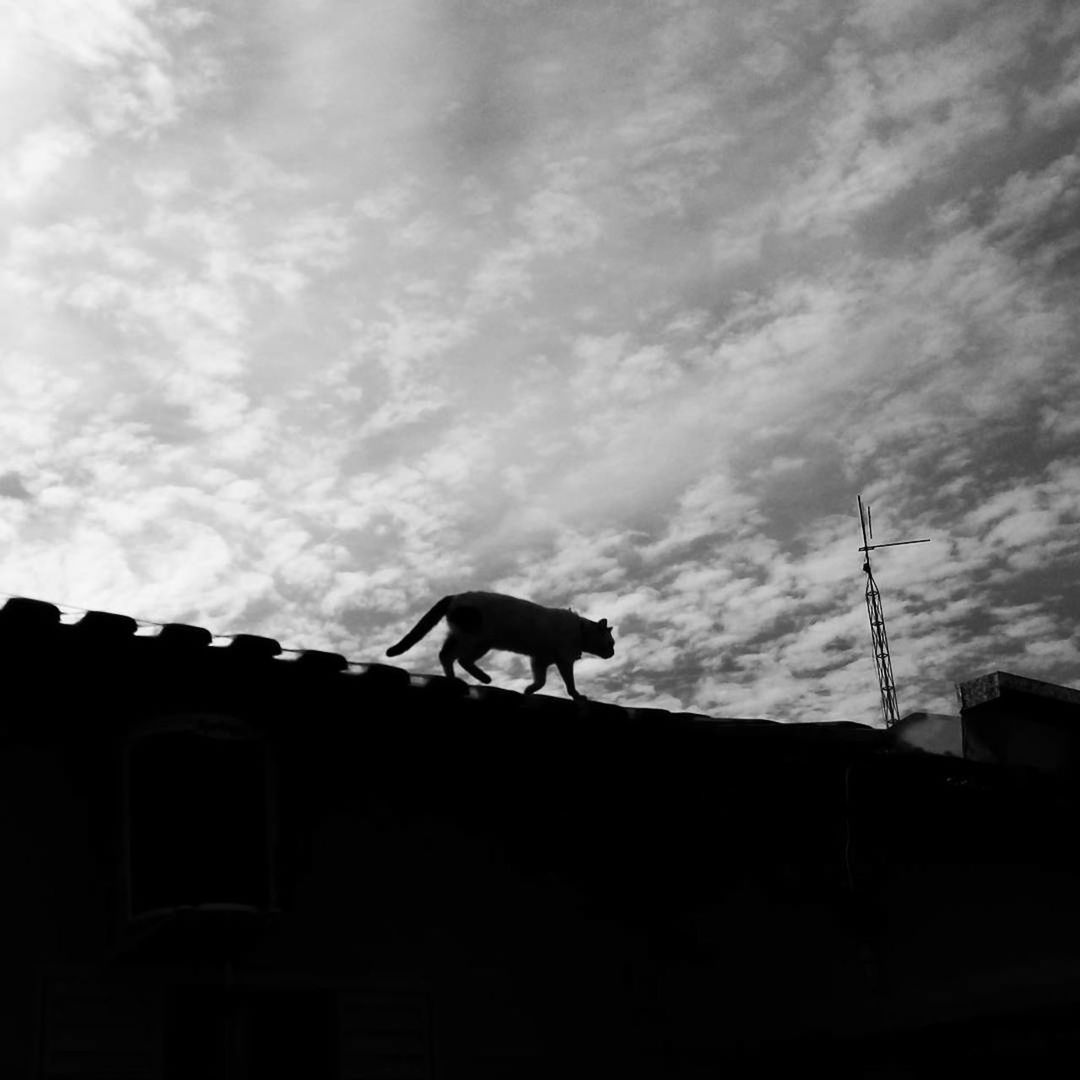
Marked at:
<point>313,312</point>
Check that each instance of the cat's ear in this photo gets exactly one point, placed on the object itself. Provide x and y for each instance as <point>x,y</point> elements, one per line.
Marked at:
<point>603,624</point>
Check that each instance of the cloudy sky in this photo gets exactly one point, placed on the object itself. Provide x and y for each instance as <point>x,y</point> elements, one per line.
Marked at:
<point>316,310</point>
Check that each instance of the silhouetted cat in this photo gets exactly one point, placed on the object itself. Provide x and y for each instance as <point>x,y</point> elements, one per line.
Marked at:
<point>480,621</point>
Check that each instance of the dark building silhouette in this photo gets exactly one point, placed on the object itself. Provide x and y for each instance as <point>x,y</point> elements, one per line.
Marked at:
<point>225,863</point>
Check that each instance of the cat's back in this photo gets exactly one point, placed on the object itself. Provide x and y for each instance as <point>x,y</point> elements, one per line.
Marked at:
<point>513,623</point>
<point>498,605</point>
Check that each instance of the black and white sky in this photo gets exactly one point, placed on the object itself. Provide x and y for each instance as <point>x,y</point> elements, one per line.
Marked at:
<point>316,310</point>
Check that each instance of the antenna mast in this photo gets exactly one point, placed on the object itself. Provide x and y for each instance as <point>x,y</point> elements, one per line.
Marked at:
<point>879,640</point>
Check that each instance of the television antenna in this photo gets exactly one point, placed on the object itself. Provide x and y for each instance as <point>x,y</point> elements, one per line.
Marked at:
<point>879,640</point>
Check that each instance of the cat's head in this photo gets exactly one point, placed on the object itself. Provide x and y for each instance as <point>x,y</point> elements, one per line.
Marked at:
<point>596,638</point>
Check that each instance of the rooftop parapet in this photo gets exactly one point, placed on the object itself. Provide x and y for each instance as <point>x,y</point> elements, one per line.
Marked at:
<point>1012,720</point>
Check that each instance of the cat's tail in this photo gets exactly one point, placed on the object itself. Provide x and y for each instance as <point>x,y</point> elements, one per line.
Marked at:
<point>424,626</point>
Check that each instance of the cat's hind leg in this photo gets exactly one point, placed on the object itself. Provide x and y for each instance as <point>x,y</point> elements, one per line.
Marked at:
<point>447,655</point>
<point>467,658</point>
<point>475,672</point>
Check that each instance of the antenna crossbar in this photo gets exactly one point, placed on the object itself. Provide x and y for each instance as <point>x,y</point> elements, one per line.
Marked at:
<point>893,543</point>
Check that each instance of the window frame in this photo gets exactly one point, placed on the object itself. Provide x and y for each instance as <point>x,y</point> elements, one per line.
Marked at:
<point>133,924</point>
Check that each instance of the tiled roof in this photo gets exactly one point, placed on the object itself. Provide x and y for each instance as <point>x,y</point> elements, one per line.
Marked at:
<point>37,631</point>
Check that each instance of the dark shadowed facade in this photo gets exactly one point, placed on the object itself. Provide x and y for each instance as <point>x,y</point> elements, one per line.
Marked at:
<point>224,863</point>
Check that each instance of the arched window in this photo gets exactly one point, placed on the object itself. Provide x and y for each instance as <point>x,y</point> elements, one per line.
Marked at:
<point>198,816</point>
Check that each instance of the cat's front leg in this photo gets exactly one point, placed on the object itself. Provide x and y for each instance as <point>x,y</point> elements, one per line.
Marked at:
<point>566,670</point>
<point>539,674</point>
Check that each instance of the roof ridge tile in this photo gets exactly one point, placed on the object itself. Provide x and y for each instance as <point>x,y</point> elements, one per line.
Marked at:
<point>28,612</point>
<point>106,625</point>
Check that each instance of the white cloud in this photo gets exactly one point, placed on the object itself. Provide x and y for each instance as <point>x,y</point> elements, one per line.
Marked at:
<point>1062,100</point>
<point>559,222</point>
<point>98,33</point>
<point>502,278</point>
<point>888,20</point>
<point>1035,203</point>
<point>38,157</point>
